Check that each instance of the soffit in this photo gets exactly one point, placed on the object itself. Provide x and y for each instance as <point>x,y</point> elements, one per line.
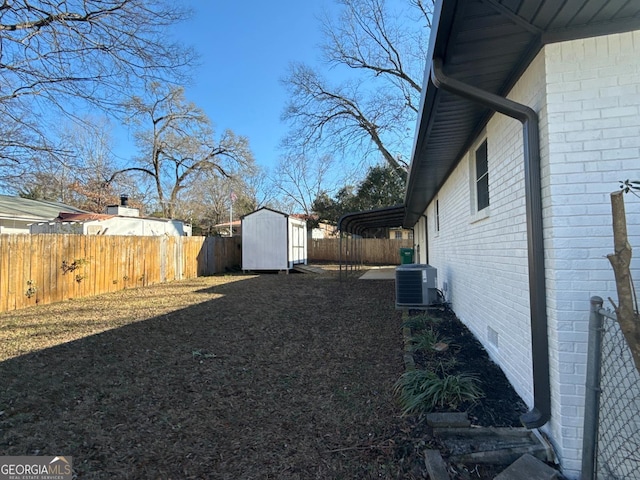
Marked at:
<point>489,44</point>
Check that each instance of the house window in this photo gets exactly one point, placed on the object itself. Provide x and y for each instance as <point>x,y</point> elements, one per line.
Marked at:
<point>437,215</point>
<point>398,235</point>
<point>482,177</point>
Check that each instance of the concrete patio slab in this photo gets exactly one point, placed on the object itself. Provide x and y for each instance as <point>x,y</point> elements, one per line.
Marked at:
<point>380,273</point>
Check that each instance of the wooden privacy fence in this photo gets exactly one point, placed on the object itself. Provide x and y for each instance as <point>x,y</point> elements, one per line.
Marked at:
<point>379,251</point>
<point>41,269</point>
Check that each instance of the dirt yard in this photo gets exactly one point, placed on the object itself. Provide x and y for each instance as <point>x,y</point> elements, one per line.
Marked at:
<point>228,377</point>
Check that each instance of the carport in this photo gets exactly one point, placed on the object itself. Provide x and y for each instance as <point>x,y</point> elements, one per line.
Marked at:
<point>353,227</point>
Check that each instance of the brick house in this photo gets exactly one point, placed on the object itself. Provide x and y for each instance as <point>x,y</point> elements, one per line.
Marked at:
<point>530,117</point>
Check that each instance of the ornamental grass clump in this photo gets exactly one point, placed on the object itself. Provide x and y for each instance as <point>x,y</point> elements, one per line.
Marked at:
<point>418,322</point>
<point>422,391</point>
<point>426,340</point>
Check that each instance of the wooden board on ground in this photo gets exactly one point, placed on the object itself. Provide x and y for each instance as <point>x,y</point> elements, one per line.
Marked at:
<point>308,269</point>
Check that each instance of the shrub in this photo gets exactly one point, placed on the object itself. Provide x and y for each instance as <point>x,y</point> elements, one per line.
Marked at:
<point>422,391</point>
<point>426,340</point>
<point>419,322</point>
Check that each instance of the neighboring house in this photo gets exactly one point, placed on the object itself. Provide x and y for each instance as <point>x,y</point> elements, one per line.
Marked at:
<point>321,230</point>
<point>400,234</point>
<point>324,230</point>
<point>518,225</point>
<point>223,230</point>
<point>17,213</point>
<point>119,220</point>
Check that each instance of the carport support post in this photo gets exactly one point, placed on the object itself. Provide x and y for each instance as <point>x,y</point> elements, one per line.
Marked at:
<point>340,256</point>
<point>348,252</point>
<point>354,253</point>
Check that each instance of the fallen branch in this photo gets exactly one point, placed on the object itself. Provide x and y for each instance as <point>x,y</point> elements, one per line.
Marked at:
<point>358,448</point>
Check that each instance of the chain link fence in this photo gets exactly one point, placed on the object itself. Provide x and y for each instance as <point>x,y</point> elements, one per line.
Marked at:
<point>612,407</point>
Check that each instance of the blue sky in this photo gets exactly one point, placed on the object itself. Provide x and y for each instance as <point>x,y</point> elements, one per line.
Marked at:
<point>245,51</point>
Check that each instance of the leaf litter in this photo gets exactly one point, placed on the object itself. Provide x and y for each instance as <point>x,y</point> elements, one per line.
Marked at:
<point>231,376</point>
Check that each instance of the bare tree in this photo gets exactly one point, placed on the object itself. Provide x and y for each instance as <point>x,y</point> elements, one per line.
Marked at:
<point>57,55</point>
<point>205,203</point>
<point>374,110</point>
<point>82,178</point>
<point>300,180</point>
<point>260,190</point>
<point>94,165</point>
<point>177,144</point>
<point>208,201</point>
<point>212,199</point>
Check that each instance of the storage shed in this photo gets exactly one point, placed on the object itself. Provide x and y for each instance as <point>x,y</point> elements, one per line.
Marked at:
<point>273,240</point>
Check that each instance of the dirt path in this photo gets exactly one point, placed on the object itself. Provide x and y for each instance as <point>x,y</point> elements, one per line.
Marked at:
<point>234,377</point>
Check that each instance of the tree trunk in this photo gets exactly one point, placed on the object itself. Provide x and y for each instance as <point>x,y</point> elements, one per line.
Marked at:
<point>628,318</point>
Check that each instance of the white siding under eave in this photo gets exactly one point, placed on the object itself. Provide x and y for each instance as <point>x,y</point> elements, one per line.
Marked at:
<point>14,226</point>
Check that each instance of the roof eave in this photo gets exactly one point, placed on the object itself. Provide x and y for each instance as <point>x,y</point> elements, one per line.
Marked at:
<point>424,181</point>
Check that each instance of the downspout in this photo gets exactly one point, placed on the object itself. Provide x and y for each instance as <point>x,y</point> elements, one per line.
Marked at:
<point>541,411</point>
<point>426,239</point>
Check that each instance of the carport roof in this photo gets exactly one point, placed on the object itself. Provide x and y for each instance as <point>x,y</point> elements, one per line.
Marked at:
<point>489,44</point>
<point>358,222</point>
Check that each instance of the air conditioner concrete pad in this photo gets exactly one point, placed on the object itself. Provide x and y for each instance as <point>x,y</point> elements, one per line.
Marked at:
<point>497,446</point>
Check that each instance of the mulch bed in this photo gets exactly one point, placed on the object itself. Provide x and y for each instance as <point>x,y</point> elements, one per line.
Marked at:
<point>501,406</point>
<point>226,377</point>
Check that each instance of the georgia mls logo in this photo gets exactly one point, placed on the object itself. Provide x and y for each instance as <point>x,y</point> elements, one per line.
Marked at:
<point>36,468</point>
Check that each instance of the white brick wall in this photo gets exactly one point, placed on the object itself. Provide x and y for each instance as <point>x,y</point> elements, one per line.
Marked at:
<point>593,124</point>
<point>587,94</point>
<point>484,262</point>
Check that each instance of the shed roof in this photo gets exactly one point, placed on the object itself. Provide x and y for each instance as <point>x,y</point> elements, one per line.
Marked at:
<point>489,44</point>
<point>266,209</point>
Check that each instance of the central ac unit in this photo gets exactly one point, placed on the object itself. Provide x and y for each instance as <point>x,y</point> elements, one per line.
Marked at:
<point>416,286</point>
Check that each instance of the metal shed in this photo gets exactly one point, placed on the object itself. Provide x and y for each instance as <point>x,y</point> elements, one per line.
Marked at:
<point>273,240</point>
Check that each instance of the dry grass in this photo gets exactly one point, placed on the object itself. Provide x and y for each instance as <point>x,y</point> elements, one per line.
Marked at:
<point>236,376</point>
<point>269,376</point>
<point>32,329</point>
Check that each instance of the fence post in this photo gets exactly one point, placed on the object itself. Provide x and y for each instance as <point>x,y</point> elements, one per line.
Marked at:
<point>211,255</point>
<point>592,392</point>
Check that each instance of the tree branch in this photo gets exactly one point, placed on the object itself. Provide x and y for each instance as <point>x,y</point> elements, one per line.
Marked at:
<point>620,260</point>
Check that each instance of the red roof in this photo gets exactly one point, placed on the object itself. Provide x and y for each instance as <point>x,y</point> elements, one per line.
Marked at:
<point>82,217</point>
<point>235,223</point>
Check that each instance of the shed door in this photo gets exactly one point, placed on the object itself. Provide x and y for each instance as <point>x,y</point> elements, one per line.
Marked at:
<point>297,243</point>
